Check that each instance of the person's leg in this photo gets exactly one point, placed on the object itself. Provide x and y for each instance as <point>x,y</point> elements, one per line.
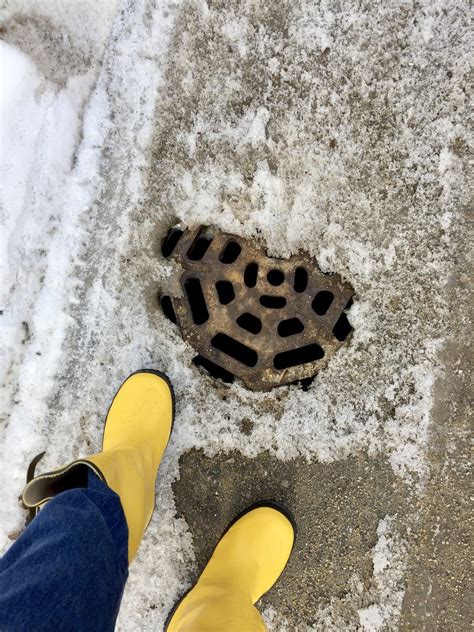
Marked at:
<point>246,562</point>
<point>56,545</point>
<point>136,433</point>
<point>68,569</point>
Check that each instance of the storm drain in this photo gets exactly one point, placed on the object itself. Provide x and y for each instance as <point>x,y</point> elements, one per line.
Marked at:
<point>266,321</point>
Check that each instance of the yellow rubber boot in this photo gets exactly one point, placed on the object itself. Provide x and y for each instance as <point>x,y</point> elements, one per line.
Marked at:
<point>245,564</point>
<point>136,432</point>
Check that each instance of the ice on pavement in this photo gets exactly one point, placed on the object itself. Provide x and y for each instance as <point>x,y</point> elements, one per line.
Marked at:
<point>347,150</point>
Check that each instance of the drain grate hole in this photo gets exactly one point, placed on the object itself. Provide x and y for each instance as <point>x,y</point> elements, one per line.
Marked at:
<point>342,328</point>
<point>196,300</point>
<point>235,349</point>
<point>301,280</point>
<point>168,309</point>
<point>273,302</point>
<point>275,277</point>
<point>295,357</point>
<point>230,252</point>
<point>306,382</point>
<point>225,292</point>
<point>322,301</point>
<point>213,369</point>
<point>250,275</point>
<point>290,327</point>
<point>170,241</point>
<point>199,247</point>
<point>250,323</point>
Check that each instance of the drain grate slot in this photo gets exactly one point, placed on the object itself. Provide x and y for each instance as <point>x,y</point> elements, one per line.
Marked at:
<point>268,321</point>
<point>230,252</point>
<point>196,300</point>
<point>213,369</point>
<point>235,349</point>
<point>225,292</point>
<point>168,309</point>
<point>199,247</point>
<point>273,302</point>
<point>301,280</point>
<point>322,302</point>
<point>290,327</point>
<point>250,275</point>
<point>275,277</point>
<point>170,241</point>
<point>342,328</point>
<point>295,357</point>
<point>250,323</point>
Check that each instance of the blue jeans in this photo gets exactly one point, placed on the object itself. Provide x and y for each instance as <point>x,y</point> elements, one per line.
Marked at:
<point>67,571</point>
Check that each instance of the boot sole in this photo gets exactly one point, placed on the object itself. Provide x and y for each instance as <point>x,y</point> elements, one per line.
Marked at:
<point>273,504</point>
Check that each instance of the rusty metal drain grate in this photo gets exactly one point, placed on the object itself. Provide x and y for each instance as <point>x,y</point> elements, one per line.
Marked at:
<point>267,321</point>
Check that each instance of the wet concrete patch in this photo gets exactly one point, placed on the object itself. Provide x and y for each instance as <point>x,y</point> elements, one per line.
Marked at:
<point>337,507</point>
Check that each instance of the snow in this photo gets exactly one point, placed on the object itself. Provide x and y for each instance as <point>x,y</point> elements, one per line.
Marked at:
<point>389,558</point>
<point>344,148</point>
<point>40,128</point>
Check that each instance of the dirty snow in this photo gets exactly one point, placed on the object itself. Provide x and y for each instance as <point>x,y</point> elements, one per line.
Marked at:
<point>389,565</point>
<point>384,596</point>
<point>334,129</point>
